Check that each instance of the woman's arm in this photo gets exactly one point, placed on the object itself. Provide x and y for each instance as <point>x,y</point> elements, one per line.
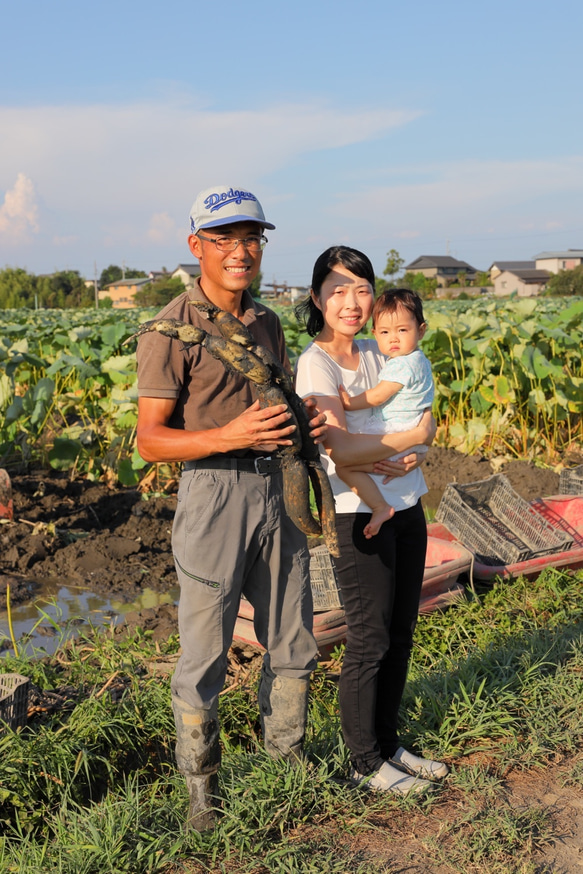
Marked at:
<point>346,448</point>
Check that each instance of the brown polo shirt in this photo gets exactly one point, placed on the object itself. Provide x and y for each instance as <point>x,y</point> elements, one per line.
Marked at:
<point>207,396</point>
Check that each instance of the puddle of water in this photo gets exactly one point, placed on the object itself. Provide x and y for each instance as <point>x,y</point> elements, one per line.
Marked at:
<point>55,613</point>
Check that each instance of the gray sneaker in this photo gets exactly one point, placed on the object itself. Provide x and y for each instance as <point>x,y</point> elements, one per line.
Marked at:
<point>389,779</point>
<point>418,767</point>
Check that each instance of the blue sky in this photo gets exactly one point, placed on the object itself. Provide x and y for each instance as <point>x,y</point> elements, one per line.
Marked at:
<point>432,128</point>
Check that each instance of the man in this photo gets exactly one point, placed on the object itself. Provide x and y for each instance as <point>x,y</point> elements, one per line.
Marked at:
<point>231,535</point>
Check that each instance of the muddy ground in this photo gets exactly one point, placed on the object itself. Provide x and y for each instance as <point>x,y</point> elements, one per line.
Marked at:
<point>115,542</point>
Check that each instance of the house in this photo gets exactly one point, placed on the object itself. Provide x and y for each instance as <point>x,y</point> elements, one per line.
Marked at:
<point>557,261</point>
<point>187,273</point>
<point>526,283</point>
<point>155,275</point>
<point>122,292</point>
<point>499,267</point>
<point>443,267</point>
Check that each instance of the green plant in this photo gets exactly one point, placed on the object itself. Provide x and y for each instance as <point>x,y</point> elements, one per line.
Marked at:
<point>494,686</point>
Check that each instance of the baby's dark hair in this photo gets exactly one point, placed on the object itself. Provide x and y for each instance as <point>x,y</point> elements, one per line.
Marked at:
<point>393,298</point>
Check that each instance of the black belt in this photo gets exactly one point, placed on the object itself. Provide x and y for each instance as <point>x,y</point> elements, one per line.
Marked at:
<point>262,464</point>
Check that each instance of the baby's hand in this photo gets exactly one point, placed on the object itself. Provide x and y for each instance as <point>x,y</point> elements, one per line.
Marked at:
<point>345,398</point>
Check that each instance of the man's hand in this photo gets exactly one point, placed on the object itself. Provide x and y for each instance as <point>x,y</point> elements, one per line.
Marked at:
<point>261,428</point>
<point>318,427</point>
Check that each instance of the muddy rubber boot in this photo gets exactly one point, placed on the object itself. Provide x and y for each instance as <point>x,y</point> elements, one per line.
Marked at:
<point>198,756</point>
<point>283,711</point>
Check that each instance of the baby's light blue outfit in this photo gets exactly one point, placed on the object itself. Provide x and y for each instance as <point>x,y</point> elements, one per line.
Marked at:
<point>413,371</point>
<point>404,409</point>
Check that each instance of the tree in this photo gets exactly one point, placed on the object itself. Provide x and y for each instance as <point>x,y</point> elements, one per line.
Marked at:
<point>256,285</point>
<point>481,279</point>
<point>394,265</point>
<point>159,293</point>
<point>566,282</point>
<point>113,273</point>
<point>63,290</point>
<point>425,286</point>
<point>17,288</point>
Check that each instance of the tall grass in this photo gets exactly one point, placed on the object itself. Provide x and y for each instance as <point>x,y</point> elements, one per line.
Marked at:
<point>495,685</point>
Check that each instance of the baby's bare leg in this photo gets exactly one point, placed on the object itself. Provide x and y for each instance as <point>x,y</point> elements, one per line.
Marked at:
<point>366,489</point>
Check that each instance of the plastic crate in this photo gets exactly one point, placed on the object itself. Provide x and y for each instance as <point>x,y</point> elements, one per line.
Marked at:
<point>13,700</point>
<point>571,481</point>
<point>496,524</point>
<point>325,591</point>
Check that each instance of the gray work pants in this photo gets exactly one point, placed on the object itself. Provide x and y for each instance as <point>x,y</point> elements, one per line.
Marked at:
<point>231,536</point>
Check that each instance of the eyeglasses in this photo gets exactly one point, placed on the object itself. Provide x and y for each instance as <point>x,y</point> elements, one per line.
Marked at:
<point>253,244</point>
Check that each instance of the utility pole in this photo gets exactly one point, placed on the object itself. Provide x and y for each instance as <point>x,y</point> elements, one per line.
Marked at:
<point>95,285</point>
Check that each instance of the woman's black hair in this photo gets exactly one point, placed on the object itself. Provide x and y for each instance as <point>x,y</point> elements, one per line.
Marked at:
<point>307,313</point>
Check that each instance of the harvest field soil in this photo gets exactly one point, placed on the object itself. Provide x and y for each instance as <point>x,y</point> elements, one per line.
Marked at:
<point>113,542</point>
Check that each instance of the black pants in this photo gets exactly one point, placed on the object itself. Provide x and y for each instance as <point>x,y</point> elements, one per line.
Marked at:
<point>381,581</point>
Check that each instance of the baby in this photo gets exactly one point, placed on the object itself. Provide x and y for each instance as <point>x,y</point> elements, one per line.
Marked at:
<point>404,391</point>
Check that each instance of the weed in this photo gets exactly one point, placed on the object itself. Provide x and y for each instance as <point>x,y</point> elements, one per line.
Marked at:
<point>495,684</point>
<point>495,838</point>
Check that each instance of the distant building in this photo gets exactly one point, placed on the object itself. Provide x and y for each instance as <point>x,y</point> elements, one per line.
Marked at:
<point>123,291</point>
<point>297,293</point>
<point>154,275</point>
<point>442,267</point>
<point>554,262</point>
<point>187,273</point>
<point>525,283</point>
<point>499,267</point>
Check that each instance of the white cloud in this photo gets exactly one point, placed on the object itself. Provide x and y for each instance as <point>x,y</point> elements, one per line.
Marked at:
<point>114,163</point>
<point>407,235</point>
<point>462,189</point>
<point>19,212</point>
<point>115,182</point>
<point>163,229</point>
<point>65,241</point>
<point>452,202</point>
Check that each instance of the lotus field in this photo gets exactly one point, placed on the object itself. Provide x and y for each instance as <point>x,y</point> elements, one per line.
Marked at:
<point>508,375</point>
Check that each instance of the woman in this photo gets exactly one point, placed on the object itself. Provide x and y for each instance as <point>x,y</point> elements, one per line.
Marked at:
<point>380,578</point>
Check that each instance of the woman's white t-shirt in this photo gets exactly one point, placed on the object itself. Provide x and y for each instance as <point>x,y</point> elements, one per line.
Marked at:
<point>319,375</point>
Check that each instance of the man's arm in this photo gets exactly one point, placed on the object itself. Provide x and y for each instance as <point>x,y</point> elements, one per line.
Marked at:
<point>256,428</point>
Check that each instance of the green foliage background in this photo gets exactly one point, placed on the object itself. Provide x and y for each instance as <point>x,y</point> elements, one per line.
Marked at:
<point>508,374</point>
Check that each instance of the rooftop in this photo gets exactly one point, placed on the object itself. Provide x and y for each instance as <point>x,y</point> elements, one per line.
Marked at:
<point>530,275</point>
<point>439,261</point>
<point>513,265</point>
<point>128,282</point>
<point>191,269</point>
<point>565,253</point>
